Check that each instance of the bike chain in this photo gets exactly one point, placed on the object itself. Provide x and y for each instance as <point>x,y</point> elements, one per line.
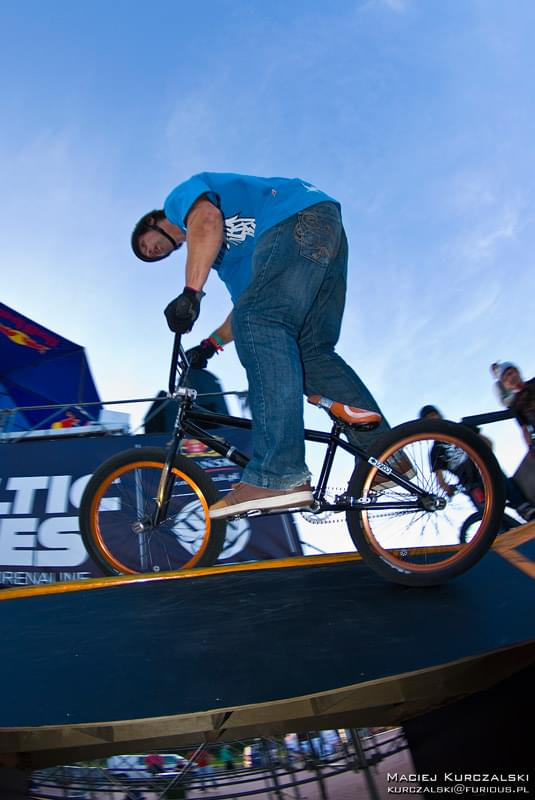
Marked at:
<point>325,516</point>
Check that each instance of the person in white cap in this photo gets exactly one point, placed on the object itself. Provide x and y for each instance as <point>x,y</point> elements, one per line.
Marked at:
<point>505,397</point>
<point>523,401</point>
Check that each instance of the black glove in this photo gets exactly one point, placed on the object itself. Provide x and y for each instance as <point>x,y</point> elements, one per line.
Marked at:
<point>198,356</point>
<point>182,312</point>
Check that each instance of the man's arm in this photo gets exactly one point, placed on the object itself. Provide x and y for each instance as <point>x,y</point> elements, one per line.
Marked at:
<point>204,240</point>
<point>224,332</point>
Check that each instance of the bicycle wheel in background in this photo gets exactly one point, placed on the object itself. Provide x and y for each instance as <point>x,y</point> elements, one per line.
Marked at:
<point>470,525</point>
<point>123,490</point>
<point>419,545</point>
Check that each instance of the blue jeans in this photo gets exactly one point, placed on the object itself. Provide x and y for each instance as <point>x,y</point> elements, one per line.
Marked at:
<point>286,325</point>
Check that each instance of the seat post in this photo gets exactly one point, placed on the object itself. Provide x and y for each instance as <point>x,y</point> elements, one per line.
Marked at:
<point>328,460</point>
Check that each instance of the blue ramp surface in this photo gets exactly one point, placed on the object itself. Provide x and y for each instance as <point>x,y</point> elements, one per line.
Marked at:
<point>225,638</point>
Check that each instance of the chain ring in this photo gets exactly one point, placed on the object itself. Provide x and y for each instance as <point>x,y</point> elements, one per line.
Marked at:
<point>324,517</point>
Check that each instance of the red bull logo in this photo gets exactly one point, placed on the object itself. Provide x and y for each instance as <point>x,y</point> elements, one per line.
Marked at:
<point>19,337</point>
<point>24,333</point>
<point>68,421</point>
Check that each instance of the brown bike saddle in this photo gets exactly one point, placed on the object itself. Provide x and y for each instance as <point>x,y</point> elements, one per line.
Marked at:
<point>357,417</point>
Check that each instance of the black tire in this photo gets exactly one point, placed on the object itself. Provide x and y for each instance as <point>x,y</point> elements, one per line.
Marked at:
<point>419,546</point>
<point>506,524</point>
<point>122,490</point>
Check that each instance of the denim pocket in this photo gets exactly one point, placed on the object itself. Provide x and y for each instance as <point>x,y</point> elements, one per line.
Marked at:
<point>318,231</point>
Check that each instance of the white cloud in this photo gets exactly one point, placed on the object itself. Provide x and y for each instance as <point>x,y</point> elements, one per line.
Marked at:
<point>396,5</point>
<point>486,213</point>
<point>485,245</point>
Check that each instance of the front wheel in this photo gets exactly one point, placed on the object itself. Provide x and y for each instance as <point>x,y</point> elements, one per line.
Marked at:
<point>122,493</point>
<point>416,541</point>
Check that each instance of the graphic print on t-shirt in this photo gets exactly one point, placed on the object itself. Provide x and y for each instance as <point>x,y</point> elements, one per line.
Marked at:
<point>237,229</point>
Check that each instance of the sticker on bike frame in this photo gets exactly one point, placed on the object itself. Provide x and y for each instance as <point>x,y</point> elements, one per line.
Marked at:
<point>380,466</point>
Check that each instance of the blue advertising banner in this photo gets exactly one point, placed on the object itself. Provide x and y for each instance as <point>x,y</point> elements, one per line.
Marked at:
<point>39,367</point>
<point>41,485</point>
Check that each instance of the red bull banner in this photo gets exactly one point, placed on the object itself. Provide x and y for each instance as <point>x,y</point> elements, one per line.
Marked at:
<point>38,368</point>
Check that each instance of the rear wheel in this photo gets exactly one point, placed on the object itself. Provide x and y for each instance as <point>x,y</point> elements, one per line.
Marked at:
<point>122,493</point>
<point>418,544</point>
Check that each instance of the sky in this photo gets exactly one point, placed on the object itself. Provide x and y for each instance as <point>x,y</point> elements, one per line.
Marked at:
<point>417,115</point>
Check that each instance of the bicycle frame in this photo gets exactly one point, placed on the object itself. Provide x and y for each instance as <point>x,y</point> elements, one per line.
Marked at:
<point>188,416</point>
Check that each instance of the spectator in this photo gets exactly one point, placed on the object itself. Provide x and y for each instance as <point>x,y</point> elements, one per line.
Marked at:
<point>523,401</point>
<point>154,763</point>
<point>505,397</point>
<point>447,458</point>
<point>205,771</point>
<point>225,754</point>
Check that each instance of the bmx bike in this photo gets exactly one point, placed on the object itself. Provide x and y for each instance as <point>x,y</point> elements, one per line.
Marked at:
<point>146,510</point>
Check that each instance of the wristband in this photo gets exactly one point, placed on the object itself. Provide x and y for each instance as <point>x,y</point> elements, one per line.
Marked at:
<point>198,294</point>
<point>216,341</point>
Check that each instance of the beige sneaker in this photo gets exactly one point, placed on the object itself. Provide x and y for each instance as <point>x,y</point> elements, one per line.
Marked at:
<point>245,497</point>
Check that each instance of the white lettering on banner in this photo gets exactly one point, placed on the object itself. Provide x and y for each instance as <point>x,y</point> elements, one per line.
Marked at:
<point>53,541</point>
<point>60,534</point>
<point>26,578</point>
<point>77,490</point>
<point>25,488</point>
<point>58,494</point>
<point>10,578</point>
<point>111,503</point>
<point>5,508</point>
<point>16,543</point>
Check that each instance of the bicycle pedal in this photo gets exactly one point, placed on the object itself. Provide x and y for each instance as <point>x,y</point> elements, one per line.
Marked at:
<point>244,515</point>
<point>264,512</point>
<point>291,509</point>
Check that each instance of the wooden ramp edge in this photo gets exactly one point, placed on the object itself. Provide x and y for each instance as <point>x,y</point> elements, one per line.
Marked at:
<point>386,702</point>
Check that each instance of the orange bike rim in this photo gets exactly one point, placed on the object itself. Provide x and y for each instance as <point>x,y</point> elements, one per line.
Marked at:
<point>388,555</point>
<point>94,515</point>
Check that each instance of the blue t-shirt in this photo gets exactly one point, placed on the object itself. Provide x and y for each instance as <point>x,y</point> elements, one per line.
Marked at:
<point>250,206</point>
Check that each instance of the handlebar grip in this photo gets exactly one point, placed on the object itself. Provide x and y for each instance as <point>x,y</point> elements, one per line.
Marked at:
<point>174,363</point>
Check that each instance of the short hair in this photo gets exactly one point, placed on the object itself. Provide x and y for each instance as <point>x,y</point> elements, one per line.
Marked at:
<point>426,410</point>
<point>148,223</point>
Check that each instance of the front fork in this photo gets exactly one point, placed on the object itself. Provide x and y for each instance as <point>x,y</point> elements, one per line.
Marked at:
<point>167,478</point>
